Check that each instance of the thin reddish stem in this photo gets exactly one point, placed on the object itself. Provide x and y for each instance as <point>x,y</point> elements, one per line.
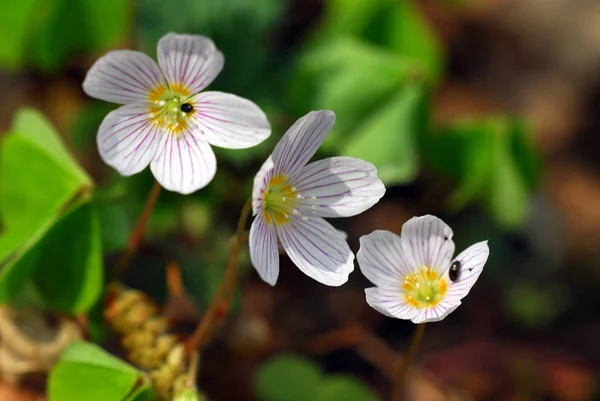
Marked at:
<point>398,385</point>
<point>220,305</point>
<point>137,235</point>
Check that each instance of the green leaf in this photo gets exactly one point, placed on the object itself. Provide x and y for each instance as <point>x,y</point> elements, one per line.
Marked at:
<point>32,195</point>
<point>32,124</point>
<point>344,388</point>
<point>86,372</point>
<point>491,160</point>
<point>411,36</point>
<point>393,25</point>
<point>39,181</point>
<point>71,281</point>
<point>386,139</point>
<point>288,378</point>
<point>337,74</point>
<point>15,23</point>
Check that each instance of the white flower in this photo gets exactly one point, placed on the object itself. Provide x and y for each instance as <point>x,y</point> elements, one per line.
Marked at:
<point>290,199</point>
<point>415,274</point>
<point>165,121</point>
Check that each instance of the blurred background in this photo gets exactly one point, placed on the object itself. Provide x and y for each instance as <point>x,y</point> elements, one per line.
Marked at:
<point>482,112</point>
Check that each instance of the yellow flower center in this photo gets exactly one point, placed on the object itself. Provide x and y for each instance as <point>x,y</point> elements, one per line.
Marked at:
<point>281,200</point>
<point>167,111</point>
<point>424,288</point>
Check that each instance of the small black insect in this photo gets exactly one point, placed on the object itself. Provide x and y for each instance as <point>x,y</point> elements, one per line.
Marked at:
<point>186,107</point>
<point>454,271</point>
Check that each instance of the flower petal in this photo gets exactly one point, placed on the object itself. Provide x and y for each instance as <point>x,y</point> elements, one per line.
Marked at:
<point>127,139</point>
<point>264,252</point>
<point>123,76</point>
<point>472,261</point>
<point>261,181</point>
<point>389,303</point>
<point>317,249</point>
<point>427,241</point>
<point>184,163</point>
<point>342,186</point>
<point>380,259</point>
<point>434,314</point>
<point>301,141</point>
<point>229,121</point>
<point>191,61</point>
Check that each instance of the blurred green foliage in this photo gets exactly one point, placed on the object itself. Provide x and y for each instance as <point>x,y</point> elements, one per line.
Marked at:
<point>44,34</point>
<point>294,378</point>
<point>490,160</point>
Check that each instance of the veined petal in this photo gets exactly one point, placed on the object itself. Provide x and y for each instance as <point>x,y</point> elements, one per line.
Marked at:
<point>229,121</point>
<point>128,139</point>
<point>427,241</point>
<point>264,252</point>
<point>317,249</point>
<point>380,259</point>
<point>435,313</point>
<point>390,303</point>
<point>471,261</point>
<point>190,62</point>
<point>301,141</point>
<point>184,163</point>
<point>341,186</point>
<point>123,76</point>
<point>261,181</point>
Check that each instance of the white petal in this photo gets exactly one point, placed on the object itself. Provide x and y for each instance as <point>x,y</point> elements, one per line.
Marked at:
<point>127,139</point>
<point>427,241</point>
<point>434,314</point>
<point>342,186</point>
<point>264,252</point>
<point>302,140</point>
<point>184,163</point>
<point>381,260</point>
<point>192,61</point>
<point>123,76</point>
<point>229,121</point>
<point>472,261</point>
<point>317,249</point>
<point>390,303</point>
<point>261,180</point>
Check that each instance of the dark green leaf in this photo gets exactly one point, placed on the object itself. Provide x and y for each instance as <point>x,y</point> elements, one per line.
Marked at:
<point>288,378</point>
<point>344,388</point>
<point>69,270</point>
<point>491,160</point>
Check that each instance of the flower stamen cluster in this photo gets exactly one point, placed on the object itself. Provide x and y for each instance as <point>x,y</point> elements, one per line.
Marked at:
<point>424,288</point>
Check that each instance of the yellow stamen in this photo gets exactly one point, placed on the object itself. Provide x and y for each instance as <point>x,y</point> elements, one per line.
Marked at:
<point>424,288</point>
<point>166,107</point>
<point>279,200</point>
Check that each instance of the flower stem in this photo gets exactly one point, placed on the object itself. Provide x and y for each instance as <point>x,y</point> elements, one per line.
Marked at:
<point>222,301</point>
<point>137,235</point>
<point>398,385</point>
